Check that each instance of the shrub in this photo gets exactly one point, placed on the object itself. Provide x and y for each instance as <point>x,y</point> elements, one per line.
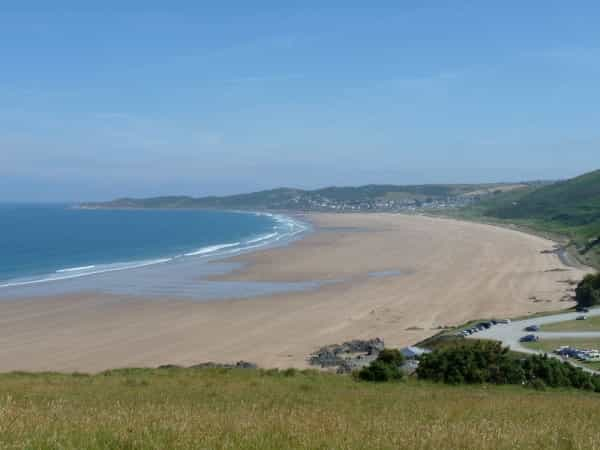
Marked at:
<point>290,372</point>
<point>538,385</point>
<point>489,362</point>
<point>588,291</point>
<point>391,356</point>
<point>484,362</point>
<point>385,368</point>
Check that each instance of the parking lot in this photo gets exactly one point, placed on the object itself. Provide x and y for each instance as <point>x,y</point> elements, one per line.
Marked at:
<point>510,334</point>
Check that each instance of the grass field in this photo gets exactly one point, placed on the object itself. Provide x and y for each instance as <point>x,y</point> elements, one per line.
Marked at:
<point>237,409</point>
<point>548,345</point>
<point>590,324</point>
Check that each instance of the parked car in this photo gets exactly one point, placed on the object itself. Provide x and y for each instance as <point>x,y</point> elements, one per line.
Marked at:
<point>532,328</point>
<point>529,338</point>
<point>505,321</point>
<point>581,318</point>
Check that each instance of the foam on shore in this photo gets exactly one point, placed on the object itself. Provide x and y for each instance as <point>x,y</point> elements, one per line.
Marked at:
<point>285,229</point>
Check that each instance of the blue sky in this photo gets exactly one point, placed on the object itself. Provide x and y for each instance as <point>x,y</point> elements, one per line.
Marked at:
<point>224,97</point>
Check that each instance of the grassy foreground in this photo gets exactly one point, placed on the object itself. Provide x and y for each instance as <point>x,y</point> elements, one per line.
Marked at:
<point>247,409</point>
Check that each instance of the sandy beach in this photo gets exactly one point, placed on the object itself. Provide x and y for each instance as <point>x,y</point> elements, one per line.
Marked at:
<point>397,277</point>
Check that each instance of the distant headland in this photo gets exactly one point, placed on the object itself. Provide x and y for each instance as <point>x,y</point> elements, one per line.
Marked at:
<point>375,197</point>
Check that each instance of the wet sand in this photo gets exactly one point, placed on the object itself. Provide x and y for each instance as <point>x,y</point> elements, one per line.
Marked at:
<point>392,276</point>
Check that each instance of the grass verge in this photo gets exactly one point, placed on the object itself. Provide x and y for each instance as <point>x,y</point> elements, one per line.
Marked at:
<point>590,324</point>
<point>549,345</point>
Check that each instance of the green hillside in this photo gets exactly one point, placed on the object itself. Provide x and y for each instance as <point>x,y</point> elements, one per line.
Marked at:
<point>252,409</point>
<point>274,197</point>
<point>367,197</point>
<point>570,208</point>
<point>571,203</point>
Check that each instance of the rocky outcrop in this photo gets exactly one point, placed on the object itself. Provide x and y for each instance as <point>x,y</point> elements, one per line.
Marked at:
<point>214,365</point>
<point>347,356</point>
<point>355,363</point>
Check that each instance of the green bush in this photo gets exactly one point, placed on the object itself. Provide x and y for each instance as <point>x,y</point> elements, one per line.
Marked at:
<point>588,291</point>
<point>485,362</point>
<point>391,356</point>
<point>489,362</point>
<point>537,384</point>
<point>385,368</point>
<point>290,372</point>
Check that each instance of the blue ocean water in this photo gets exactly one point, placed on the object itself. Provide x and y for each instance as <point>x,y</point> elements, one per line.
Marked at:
<point>53,243</point>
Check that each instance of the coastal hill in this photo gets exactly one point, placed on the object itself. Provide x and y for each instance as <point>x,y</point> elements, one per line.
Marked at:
<point>570,208</point>
<point>575,202</point>
<point>369,197</point>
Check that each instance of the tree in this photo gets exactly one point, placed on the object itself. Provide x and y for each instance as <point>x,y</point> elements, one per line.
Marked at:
<point>488,362</point>
<point>587,292</point>
<point>385,368</point>
<point>391,356</point>
<point>482,362</point>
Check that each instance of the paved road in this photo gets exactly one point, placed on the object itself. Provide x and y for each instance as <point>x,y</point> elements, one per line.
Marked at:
<point>509,334</point>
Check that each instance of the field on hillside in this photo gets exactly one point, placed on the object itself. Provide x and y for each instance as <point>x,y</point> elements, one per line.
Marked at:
<point>237,409</point>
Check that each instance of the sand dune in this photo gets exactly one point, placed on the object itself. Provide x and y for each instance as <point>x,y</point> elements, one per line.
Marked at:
<point>394,276</point>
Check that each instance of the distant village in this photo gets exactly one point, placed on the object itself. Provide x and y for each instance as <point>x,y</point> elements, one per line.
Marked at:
<point>371,198</point>
<point>311,202</point>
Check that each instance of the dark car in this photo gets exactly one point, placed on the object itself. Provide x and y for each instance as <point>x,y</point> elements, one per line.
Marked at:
<point>529,338</point>
<point>582,309</point>
<point>532,328</point>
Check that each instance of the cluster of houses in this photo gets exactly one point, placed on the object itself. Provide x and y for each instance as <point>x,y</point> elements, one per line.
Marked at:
<point>580,354</point>
<point>320,203</point>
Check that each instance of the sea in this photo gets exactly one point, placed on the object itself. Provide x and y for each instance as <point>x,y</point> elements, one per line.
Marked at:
<point>60,249</point>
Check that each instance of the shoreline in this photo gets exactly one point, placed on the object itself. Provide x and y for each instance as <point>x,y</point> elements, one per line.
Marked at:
<point>398,277</point>
<point>564,250</point>
<point>286,229</point>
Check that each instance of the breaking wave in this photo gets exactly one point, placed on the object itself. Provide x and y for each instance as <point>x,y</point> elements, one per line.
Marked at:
<point>284,229</point>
